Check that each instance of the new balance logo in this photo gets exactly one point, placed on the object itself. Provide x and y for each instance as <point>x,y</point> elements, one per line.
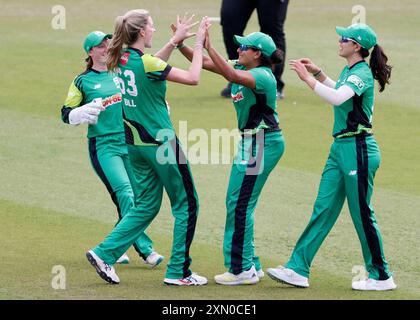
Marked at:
<point>97,86</point>
<point>352,172</point>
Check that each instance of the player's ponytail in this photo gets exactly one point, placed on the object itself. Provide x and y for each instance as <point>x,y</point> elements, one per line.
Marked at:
<point>126,32</point>
<point>89,63</point>
<point>116,45</point>
<point>275,58</point>
<point>380,69</point>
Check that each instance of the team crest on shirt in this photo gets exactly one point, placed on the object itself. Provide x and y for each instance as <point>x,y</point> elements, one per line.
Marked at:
<point>356,81</point>
<point>238,97</point>
<point>124,58</point>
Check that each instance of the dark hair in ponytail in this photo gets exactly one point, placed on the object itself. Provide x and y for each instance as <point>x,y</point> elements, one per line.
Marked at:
<point>89,63</point>
<point>378,64</point>
<point>276,58</point>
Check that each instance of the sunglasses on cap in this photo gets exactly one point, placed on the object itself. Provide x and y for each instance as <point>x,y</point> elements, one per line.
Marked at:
<point>345,40</point>
<point>244,47</point>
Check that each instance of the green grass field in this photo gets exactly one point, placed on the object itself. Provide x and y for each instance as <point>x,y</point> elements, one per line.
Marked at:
<point>54,208</point>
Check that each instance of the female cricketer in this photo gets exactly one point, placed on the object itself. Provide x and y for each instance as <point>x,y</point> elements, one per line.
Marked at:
<point>94,97</point>
<point>156,156</point>
<point>353,160</point>
<point>253,93</point>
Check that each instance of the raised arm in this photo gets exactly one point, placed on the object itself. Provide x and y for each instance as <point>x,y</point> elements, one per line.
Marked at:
<point>188,53</point>
<point>182,32</point>
<point>192,75</point>
<point>208,64</point>
<point>241,77</point>
<point>331,95</point>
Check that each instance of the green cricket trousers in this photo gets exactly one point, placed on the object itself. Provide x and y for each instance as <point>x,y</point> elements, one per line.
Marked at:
<point>109,158</point>
<point>156,167</point>
<point>348,173</point>
<point>256,157</point>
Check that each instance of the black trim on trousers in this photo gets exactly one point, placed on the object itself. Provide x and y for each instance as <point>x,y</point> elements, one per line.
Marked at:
<point>245,194</point>
<point>238,237</point>
<point>365,212</point>
<point>187,180</point>
<point>100,172</point>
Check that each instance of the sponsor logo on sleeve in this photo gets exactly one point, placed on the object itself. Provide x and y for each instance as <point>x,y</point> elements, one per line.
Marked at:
<point>237,97</point>
<point>356,81</point>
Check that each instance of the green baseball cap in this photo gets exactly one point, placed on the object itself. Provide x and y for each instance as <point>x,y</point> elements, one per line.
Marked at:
<point>94,39</point>
<point>259,40</point>
<point>359,32</point>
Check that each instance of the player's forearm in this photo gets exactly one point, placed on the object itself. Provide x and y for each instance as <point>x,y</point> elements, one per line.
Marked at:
<point>196,64</point>
<point>329,82</point>
<point>324,79</point>
<point>166,51</point>
<point>208,64</point>
<point>333,96</point>
<point>187,52</point>
<point>221,64</point>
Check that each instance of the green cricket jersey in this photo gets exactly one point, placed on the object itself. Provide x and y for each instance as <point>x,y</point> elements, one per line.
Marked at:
<point>90,85</point>
<point>256,108</point>
<point>354,116</point>
<point>143,85</point>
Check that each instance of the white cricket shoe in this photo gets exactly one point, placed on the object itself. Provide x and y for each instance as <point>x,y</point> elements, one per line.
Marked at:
<point>246,277</point>
<point>154,259</point>
<point>193,280</point>
<point>124,259</point>
<point>288,276</point>
<point>104,270</point>
<point>260,274</point>
<point>374,285</point>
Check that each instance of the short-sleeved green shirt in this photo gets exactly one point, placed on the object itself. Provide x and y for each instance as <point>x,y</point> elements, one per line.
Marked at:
<point>354,116</point>
<point>256,108</point>
<point>93,84</point>
<point>143,85</point>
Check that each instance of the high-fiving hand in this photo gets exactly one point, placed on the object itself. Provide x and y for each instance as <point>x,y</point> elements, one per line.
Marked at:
<point>182,28</point>
<point>203,30</point>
